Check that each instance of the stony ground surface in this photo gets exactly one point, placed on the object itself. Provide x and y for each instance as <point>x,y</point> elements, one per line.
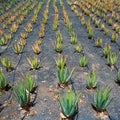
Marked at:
<point>46,105</point>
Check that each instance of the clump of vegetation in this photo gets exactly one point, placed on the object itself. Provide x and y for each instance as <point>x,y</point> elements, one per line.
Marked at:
<point>33,62</point>
<point>90,32</point>
<point>78,48</point>
<point>58,46</point>
<point>83,61</point>
<point>106,31</point>
<point>21,95</point>
<point>28,27</point>
<point>112,58</point>
<point>91,81</point>
<point>7,63</point>
<point>106,50</point>
<point>59,36</point>
<point>29,83</point>
<point>14,27</point>
<point>24,35</point>
<point>114,37</point>
<point>22,42</point>
<point>73,39</point>
<point>17,48</point>
<point>63,75</point>
<point>68,103</point>
<point>101,99</point>
<point>8,36</point>
<point>102,27</point>
<point>98,42</point>
<point>61,61</point>
<point>3,82</point>
<point>3,42</point>
<point>36,48</point>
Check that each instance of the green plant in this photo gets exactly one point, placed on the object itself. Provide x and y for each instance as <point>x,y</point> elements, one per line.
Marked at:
<point>14,27</point>
<point>102,27</point>
<point>17,48</point>
<point>3,81</point>
<point>24,35</point>
<point>22,42</point>
<point>21,95</point>
<point>101,99</point>
<point>28,27</point>
<point>6,63</point>
<point>83,61</point>
<point>63,75</point>
<point>58,46</point>
<point>73,38</point>
<point>61,61</point>
<point>98,42</point>
<point>91,81</point>
<point>3,41</point>
<point>97,22</point>
<point>90,32</point>
<point>106,50</point>
<point>106,31</point>
<point>68,103</point>
<point>110,22</point>
<point>112,58</point>
<point>36,48</point>
<point>78,48</point>
<point>33,61</point>
<point>118,76</point>
<point>114,37</point>
<point>8,36</point>
<point>29,83</point>
<point>59,36</point>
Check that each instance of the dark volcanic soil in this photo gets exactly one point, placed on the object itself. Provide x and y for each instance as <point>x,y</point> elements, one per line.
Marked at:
<point>46,105</point>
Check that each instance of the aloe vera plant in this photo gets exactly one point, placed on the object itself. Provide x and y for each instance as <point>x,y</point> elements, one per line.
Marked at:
<point>58,46</point>
<point>36,48</point>
<point>101,99</point>
<point>102,27</point>
<point>83,61</point>
<point>22,42</point>
<point>112,58</point>
<point>61,61</point>
<point>106,50</point>
<point>98,42</point>
<point>21,95</point>
<point>114,37</point>
<point>68,103</point>
<point>3,41</point>
<point>91,81</point>
<point>90,32</point>
<point>6,63</point>
<point>29,83</point>
<point>73,38</point>
<point>8,36</point>
<point>29,27</point>
<point>63,75</point>
<point>33,62</point>
<point>24,35</point>
<point>14,28</point>
<point>17,48</point>
<point>78,48</point>
<point>3,81</point>
<point>59,36</point>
